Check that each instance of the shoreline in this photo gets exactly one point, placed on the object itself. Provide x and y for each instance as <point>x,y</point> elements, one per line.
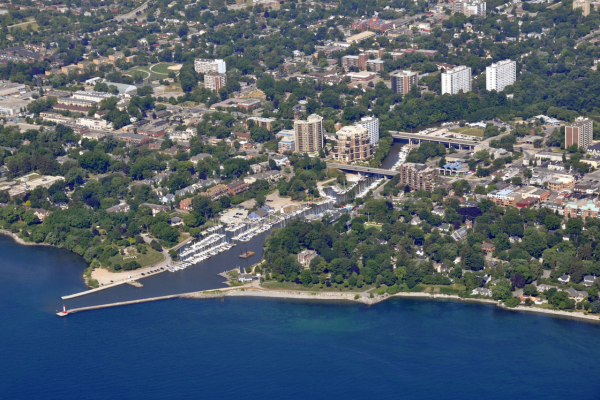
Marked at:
<point>17,239</point>
<point>335,296</point>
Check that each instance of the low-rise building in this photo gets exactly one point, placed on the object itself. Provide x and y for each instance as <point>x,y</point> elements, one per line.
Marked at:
<point>186,204</point>
<point>306,256</point>
<point>237,187</point>
<point>123,207</point>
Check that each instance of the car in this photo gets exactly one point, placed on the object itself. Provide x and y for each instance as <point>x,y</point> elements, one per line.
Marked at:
<point>143,274</point>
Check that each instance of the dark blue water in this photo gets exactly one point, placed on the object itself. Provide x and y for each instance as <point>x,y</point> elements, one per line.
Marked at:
<point>275,349</point>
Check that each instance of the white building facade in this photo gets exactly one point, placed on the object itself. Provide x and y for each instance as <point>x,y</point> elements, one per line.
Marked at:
<point>500,75</point>
<point>372,125</point>
<point>204,66</point>
<point>456,79</point>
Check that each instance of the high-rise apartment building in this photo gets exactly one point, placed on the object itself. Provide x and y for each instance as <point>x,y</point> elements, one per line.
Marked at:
<point>418,176</point>
<point>470,7</point>
<point>215,81</point>
<point>403,81</point>
<point>585,6</point>
<point>359,61</point>
<point>581,133</point>
<point>456,79</point>
<point>372,125</point>
<point>309,134</point>
<point>204,66</point>
<point>352,144</point>
<point>500,75</point>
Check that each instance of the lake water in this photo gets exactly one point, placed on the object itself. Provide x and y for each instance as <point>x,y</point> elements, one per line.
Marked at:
<point>273,349</point>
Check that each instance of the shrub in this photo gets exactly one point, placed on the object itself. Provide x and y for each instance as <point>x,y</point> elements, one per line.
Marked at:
<point>512,302</point>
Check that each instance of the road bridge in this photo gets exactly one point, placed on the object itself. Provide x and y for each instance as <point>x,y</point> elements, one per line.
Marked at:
<point>363,170</point>
<point>413,138</point>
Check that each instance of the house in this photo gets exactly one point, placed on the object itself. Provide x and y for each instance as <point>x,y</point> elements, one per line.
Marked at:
<point>544,287</point>
<point>306,256</point>
<point>245,278</point>
<point>576,295</point>
<point>514,239</point>
<point>588,280</point>
<point>482,292</point>
<point>488,248</point>
<point>415,221</point>
<point>175,221</point>
<point>156,208</point>
<point>439,211</point>
<point>564,279</point>
<point>258,214</point>
<point>199,157</point>
<point>40,213</point>
<point>445,227</point>
<point>186,204</point>
<point>168,198</point>
<point>123,207</point>
<point>460,234</point>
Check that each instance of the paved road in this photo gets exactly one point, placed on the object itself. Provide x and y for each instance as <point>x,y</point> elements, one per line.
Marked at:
<point>132,13</point>
<point>379,189</point>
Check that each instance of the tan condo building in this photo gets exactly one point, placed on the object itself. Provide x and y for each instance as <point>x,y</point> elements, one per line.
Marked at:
<point>418,176</point>
<point>352,144</point>
<point>309,134</point>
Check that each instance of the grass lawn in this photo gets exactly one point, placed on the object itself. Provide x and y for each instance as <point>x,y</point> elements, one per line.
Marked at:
<point>161,68</point>
<point>151,257</point>
<point>293,286</point>
<point>466,130</point>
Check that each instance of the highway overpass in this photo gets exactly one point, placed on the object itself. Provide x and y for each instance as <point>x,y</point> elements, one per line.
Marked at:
<point>363,170</point>
<point>460,144</point>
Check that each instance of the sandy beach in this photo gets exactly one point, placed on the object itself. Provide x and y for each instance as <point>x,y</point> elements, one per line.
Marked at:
<point>106,277</point>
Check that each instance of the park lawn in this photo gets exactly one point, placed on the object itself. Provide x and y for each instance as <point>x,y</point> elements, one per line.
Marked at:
<point>161,68</point>
<point>466,130</point>
<point>274,285</point>
<point>151,257</point>
<point>372,225</point>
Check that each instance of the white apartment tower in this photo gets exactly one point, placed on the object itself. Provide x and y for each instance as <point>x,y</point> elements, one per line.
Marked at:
<point>372,125</point>
<point>500,75</point>
<point>456,79</point>
<point>470,7</point>
<point>204,66</point>
<point>309,134</point>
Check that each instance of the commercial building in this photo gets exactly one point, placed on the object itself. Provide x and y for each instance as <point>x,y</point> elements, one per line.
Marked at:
<point>372,125</point>
<point>92,96</point>
<point>471,7</point>
<point>309,134</point>
<point>579,133</point>
<point>417,176</point>
<point>360,37</point>
<point>287,142</point>
<point>374,23</point>
<point>582,209</point>
<point>11,88</point>
<point>261,122</point>
<point>500,75</point>
<point>456,79</point>
<point>215,81</point>
<point>352,144</point>
<point>205,66</point>
<point>403,81</point>
<point>93,123</point>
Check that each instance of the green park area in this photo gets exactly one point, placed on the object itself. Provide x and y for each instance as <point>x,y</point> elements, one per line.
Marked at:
<point>150,257</point>
<point>155,71</point>
<point>467,130</point>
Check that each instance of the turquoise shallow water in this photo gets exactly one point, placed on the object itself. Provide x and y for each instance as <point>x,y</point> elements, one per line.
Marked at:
<point>281,349</point>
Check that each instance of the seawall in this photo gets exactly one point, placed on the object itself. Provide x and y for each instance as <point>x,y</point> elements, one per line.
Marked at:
<point>336,296</point>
